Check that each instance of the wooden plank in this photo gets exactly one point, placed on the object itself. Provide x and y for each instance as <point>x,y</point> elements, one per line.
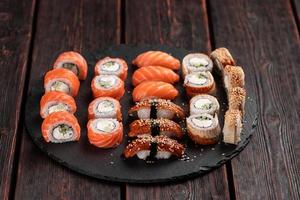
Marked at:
<point>296,11</point>
<point>180,24</point>
<point>15,35</point>
<point>264,39</point>
<point>64,25</point>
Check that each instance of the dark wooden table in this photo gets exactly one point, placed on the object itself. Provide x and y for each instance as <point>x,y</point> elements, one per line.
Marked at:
<point>262,35</point>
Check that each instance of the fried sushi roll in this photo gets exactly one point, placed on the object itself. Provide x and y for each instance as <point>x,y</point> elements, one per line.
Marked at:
<point>157,58</point>
<point>59,127</point>
<point>105,107</point>
<point>233,77</point>
<point>159,147</point>
<point>155,109</point>
<point>236,99</point>
<point>203,128</point>
<point>199,83</point>
<point>222,57</point>
<point>112,66</point>
<point>232,126</point>
<point>56,101</point>
<point>204,103</point>
<point>61,80</point>
<point>107,86</point>
<point>74,62</point>
<point>155,127</point>
<point>105,133</point>
<point>196,62</point>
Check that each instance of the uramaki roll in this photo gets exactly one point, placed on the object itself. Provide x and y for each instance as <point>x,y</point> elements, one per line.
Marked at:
<point>56,101</point>
<point>233,77</point>
<point>61,80</point>
<point>222,57</point>
<point>199,83</point>
<point>105,107</point>
<point>232,126</point>
<point>236,99</point>
<point>204,103</point>
<point>60,127</point>
<point>196,62</point>
<point>112,66</point>
<point>74,62</point>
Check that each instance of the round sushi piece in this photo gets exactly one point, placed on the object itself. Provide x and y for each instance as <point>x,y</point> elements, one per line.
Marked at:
<point>233,77</point>
<point>74,62</point>
<point>105,107</point>
<point>105,133</point>
<point>204,103</point>
<point>107,86</point>
<point>61,80</point>
<point>199,83</point>
<point>222,57</point>
<point>112,66</point>
<point>159,147</point>
<point>232,126</point>
<point>203,128</point>
<point>236,99</point>
<point>196,62</point>
<point>155,127</point>
<point>59,127</point>
<point>56,101</point>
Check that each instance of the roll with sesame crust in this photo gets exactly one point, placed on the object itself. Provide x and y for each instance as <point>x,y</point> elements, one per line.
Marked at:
<point>232,126</point>
<point>222,57</point>
<point>233,77</point>
<point>236,99</point>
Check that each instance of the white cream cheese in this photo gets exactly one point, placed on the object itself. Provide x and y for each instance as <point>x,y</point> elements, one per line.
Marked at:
<point>202,122</point>
<point>107,81</point>
<point>197,79</point>
<point>203,104</point>
<point>57,107</point>
<point>110,66</point>
<point>105,106</point>
<point>198,62</point>
<point>105,125</point>
<point>60,86</point>
<point>62,132</point>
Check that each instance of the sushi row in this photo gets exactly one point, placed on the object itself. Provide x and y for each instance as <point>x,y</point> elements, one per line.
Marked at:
<point>105,128</point>
<point>234,82</point>
<point>57,105</point>
<point>154,132</point>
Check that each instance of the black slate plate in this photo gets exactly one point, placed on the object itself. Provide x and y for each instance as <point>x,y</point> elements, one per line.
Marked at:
<point>108,164</point>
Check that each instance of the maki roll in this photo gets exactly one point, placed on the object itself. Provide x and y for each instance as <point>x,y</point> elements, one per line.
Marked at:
<point>232,126</point>
<point>105,133</point>
<point>236,99</point>
<point>59,127</point>
<point>105,107</point>
<point>233,77</point>
<point>108,86</point>
<point>159,147</point>
<point>74,62</point>
<point>203,128</point>
<point>196,62</point>
<point>155,127</point>
<point>204,103</point>
<point>155,109</point>
<point>61,80</point>
<point>157,58</point>
<point>199,83</point>
<point>222,57</point>
<point>112,66</point>
<point>56,101</point>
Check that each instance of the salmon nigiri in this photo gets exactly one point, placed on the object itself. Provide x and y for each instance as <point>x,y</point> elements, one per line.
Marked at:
<point>154,73</point>
<point>154,89</point>
<point>156,58</point>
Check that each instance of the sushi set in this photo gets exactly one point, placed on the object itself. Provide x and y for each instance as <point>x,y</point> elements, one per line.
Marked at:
<point>141,114</point>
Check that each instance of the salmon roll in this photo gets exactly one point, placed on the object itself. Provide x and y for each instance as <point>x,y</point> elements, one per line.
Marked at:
<point>222,57</point>
<point>237,99</point>
<point>61,80</point>
<point>159,147</point>
<point>74,62</point>
<point>155,127</point>
<point>108,86</point>
<point>233,126</point>
<point>105,133</point>
<point>154,73</point>
<point>196,62</point>
<point>156,58</point>
<point>155,109</point>
<point>203,129</point>
<point>154,89</point>
<point>59,127</point>
<point>105,107</point>
<point>56,101</point>
<point>233,77</point>
<point>204,103</point>
<point>199,83</point>
<point>112,66</point>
